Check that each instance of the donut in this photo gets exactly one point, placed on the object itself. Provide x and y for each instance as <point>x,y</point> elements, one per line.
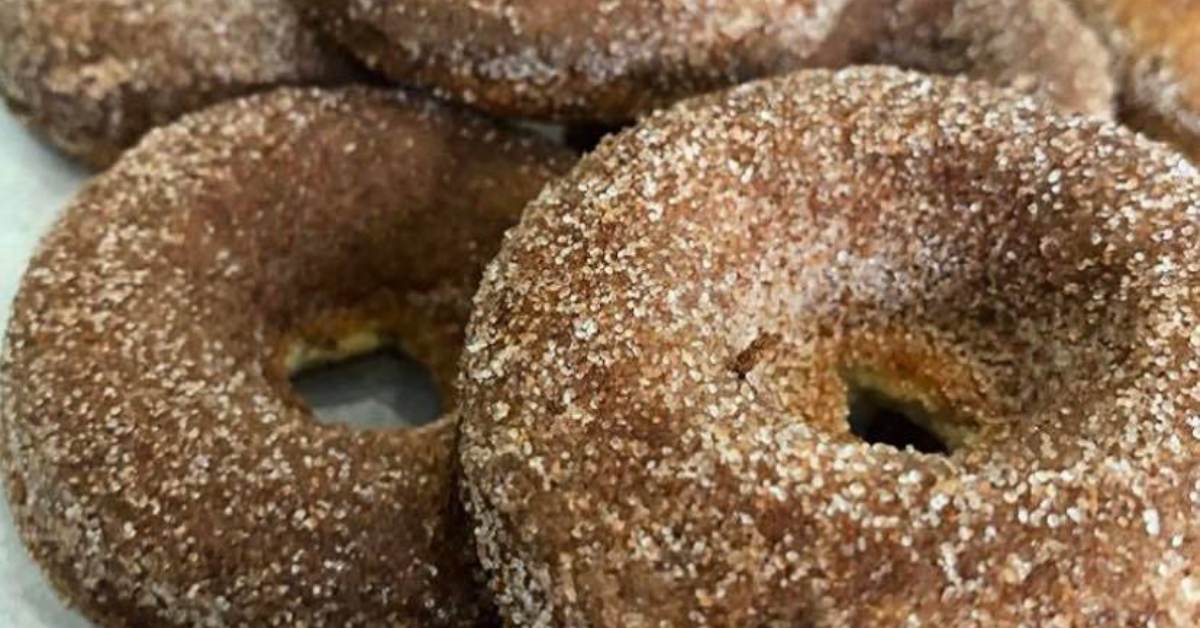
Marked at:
<point>1034,46</point>
<point>610,60</point>
<point>1157,49</point>
<point>159,466</point>
<point>660,436</point>
<point>92,76</point>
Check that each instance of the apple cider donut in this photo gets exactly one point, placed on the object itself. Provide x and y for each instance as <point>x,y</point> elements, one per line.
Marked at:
<point>159,465</point>
<point>660,436</point>
<point>94,75</point>
<point>611,60</point>
<point>1033,46</point>
<point>1157,45</point>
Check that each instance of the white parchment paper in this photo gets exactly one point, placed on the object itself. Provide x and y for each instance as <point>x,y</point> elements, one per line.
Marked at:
<point>34,185</point>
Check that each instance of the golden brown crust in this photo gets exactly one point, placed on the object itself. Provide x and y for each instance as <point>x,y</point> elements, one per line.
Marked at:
<point>158,464</point>
<point>94,75</point>
<point>1157,46</point>
<point>610,60</point>
<point>659,437</point>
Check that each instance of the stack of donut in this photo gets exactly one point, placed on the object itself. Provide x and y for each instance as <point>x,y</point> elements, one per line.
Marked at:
<point>675,389</point>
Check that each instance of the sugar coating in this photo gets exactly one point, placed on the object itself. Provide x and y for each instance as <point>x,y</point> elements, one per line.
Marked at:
<point>1157,49</point>
<point>611,60</point>
<point>1034,46</point>
<point>159,466</point>
<point>658,436</point>
<point>95,75</point>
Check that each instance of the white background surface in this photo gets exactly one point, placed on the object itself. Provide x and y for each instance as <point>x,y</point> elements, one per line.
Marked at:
<point>34,185</point>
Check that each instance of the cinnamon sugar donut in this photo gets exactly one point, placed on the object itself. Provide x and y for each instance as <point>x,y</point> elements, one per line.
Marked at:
<point>159,466</point>
<point>94,75</point>
<point>660,436</point>
<point>1157,45</point>
<point>610,60</point>
<point>1034,46</point>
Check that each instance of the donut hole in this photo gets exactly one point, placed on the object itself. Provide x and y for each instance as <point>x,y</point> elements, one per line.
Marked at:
<point>366,384</point>
<point>879,419</point>
<point>904,411</point>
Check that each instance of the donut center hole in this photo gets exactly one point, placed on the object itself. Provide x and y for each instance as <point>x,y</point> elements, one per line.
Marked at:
<point>380,389</point>
<point>877,418</point>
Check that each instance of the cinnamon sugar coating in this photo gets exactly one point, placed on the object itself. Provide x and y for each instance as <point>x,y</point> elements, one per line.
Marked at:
<point>1034,46</point>
<point>659,437</point>
<point>611,60</point>
<point>1157,49</point>
<point>94,75</point>
<point>158,463</point>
